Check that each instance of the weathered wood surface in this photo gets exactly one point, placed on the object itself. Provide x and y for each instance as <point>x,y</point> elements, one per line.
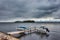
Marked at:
<point>19,32</point>
<point>4,36</point>
<point>15,32</point>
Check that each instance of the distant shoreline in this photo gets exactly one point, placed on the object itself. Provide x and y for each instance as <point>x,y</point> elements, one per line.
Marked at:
<point>29,22</point>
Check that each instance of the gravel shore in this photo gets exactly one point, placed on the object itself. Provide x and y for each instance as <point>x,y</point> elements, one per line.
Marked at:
<point>4,36</point>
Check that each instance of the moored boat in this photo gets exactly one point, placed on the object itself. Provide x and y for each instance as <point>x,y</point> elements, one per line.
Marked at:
<point>43,30</point>
<point>21,28</point>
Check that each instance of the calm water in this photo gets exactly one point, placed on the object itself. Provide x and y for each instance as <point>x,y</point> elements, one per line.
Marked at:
<point>54,28</point>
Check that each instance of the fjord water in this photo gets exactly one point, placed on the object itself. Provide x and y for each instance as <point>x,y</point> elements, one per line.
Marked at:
<point>54,28</point>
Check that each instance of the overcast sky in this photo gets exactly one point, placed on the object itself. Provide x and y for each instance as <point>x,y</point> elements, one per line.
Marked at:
<point>10,9</point>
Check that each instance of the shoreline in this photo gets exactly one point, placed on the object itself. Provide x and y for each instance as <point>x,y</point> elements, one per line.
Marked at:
<point>7,36</point>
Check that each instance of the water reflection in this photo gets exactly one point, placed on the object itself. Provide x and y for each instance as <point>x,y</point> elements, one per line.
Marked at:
<point>53,27</point>
<point>35,36</point>
<point>43,35</point>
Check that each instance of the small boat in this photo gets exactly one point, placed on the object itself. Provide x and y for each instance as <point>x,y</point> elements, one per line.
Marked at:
<point>42,30</point>
<point>21,28</point>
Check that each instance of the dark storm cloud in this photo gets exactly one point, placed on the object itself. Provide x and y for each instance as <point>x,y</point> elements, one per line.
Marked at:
<point>11,8</point>
<point>29,8</point>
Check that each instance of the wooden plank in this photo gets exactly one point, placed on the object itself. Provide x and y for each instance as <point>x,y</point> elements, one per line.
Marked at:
<point>15,32</point>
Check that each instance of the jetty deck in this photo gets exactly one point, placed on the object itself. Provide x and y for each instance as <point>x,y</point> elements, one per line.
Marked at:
<point>4,36</point>
<point>15,32</point>
<point>19,32</point>
<point>9,35</point>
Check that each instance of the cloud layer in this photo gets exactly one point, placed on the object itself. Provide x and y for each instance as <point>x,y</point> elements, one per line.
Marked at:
<point>29,8</point>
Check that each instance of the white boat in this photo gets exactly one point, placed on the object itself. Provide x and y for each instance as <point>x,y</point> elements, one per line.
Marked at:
<point>42,29</point>
<point>21,28</point>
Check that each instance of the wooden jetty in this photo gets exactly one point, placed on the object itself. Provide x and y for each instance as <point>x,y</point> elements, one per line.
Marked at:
<point>9,35</point>
<point>19,32</point>
<point>4,36</point>
<point>15,32</point>
<point>30,30</point>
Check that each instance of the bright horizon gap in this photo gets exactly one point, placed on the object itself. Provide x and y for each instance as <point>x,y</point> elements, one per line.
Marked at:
<point>35,19</point>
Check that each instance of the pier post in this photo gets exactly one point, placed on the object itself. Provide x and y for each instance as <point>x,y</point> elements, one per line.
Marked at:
<point>30,30</point>
<point>34,28</point>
